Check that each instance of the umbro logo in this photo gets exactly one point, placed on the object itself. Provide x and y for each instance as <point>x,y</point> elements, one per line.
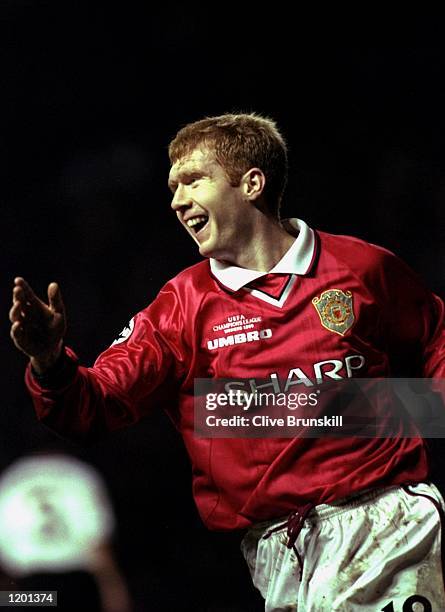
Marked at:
<point>250,336</point>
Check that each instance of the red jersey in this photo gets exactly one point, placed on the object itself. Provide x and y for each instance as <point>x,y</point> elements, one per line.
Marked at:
<point>218,321</point>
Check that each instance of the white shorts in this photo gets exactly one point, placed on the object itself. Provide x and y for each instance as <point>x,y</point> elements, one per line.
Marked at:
<point>380,550</point>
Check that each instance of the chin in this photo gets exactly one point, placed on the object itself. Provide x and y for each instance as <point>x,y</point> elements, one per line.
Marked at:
<point>206,249</point>
<point>205,252</point>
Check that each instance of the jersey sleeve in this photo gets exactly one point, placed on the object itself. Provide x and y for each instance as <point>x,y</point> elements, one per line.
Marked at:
<point>141,370</point>
<point>413,320</point>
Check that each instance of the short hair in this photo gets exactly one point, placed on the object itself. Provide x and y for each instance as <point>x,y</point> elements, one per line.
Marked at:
<point>240,142</point>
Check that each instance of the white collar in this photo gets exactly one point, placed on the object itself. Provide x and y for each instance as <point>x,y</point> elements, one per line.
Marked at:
<point>297,260</point>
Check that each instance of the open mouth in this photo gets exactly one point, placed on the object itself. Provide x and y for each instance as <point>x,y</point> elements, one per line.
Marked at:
<point>197,223</point>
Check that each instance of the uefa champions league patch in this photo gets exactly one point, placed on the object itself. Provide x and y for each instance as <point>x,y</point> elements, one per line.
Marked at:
<point>125,333</point>
<point>335,310</point>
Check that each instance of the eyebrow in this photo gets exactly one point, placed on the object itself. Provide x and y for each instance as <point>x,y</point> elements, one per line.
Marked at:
<point>184,174</point>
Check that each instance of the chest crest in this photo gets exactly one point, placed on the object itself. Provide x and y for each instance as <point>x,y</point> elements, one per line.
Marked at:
<point>335,309</point>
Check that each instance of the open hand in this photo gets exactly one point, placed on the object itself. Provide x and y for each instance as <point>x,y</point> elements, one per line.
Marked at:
<point>37,328</point>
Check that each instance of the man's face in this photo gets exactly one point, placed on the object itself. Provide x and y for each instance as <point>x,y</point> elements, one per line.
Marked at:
<point>210,209</point>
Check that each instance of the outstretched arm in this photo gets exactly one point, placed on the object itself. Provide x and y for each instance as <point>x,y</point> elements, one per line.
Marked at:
<point>127,380</point>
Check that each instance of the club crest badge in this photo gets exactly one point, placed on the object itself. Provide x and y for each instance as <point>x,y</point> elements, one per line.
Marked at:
<point>335,310</point>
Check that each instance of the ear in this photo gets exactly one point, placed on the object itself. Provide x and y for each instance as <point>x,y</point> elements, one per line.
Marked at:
<point>253,183</point>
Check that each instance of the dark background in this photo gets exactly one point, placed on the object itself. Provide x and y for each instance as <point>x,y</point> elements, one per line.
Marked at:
<point>90,98</point>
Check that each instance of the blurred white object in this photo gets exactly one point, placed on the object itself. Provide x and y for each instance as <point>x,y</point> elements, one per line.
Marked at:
<point>54,515</point>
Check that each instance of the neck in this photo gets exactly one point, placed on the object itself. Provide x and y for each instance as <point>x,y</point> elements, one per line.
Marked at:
<point>266,243</point>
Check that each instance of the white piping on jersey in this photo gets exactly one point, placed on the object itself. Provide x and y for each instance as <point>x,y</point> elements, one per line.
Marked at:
<point>271,300</point>
<point>297,260</point>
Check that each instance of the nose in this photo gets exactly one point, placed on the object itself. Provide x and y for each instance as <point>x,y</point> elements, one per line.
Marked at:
<point>181,199</point>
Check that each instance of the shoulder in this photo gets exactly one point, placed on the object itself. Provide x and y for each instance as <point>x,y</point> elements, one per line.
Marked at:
<point>175,302</point>
<point>195,276</point>
<point>371,263</point>
<point>355,252</point>
<point>380,270</point>
<point>181,294</point>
